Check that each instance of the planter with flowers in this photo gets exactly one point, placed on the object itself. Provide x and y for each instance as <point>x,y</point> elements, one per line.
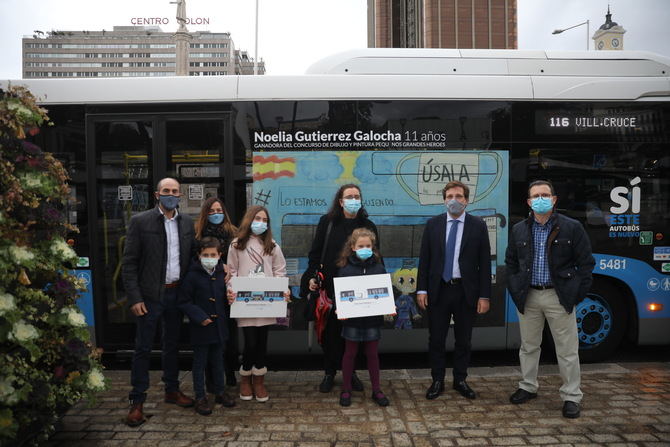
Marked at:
<point>47,362</point>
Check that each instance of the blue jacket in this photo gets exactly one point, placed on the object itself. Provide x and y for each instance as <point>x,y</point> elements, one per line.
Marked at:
<point>356,267</point>
<point>203,296</point>
<point>569,257</point>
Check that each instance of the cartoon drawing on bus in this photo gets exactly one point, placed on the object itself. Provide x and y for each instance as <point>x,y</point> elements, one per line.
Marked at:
<point>404,280</point>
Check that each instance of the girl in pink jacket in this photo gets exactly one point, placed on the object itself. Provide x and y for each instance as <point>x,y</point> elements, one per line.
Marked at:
<point>255,254</point>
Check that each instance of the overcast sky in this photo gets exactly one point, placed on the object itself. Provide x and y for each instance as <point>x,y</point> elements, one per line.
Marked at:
<point>295,33</point>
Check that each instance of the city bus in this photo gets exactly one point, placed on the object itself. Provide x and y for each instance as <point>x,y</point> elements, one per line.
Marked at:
<point>401,124</point>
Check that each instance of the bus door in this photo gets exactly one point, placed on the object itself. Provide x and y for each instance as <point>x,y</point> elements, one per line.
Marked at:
<point>127,156</point>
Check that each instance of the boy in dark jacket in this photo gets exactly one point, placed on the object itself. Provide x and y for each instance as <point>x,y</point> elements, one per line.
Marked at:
<point>202,296</point>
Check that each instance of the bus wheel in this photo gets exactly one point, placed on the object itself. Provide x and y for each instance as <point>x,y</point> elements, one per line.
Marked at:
<point>601,322</point>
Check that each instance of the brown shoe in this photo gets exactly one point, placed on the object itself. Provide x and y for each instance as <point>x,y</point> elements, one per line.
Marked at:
<point>246,392</point>
<point>225,399</point>
<point>135,416</point>
<point>259,384</point>
<point>178,398</point>
<point>202,407</point>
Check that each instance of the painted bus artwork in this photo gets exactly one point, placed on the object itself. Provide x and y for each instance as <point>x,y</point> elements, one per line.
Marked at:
<point>348,295</point>
<point>270,296</point>
<point>380,292</point>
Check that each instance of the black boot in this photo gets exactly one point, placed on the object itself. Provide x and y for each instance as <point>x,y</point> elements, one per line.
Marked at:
<point>327,383</point>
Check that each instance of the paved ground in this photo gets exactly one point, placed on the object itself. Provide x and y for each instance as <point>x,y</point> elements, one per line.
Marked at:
<point>624,404</point>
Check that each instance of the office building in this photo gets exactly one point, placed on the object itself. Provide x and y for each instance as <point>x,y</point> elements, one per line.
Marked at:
<point>131,51</point>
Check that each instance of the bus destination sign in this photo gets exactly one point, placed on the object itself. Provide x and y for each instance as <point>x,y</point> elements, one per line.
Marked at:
<point>584,122</point>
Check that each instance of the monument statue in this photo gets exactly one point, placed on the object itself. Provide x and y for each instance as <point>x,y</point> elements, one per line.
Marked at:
<point>181,14</point>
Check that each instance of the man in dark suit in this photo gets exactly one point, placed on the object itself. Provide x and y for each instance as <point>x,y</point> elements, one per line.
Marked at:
<point>454,280</point>
<point>156,256</point>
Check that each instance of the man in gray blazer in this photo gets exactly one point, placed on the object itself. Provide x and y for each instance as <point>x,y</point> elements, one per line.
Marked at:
<point>156,256</point>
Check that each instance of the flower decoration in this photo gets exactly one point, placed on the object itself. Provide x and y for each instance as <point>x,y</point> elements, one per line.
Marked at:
<point>74,317</point>
<point>7,303</point>
<point>95,380</point>
<point>61,249</point>
<point>48,362</point>
<point>21,254</point>
<point>23,332</point>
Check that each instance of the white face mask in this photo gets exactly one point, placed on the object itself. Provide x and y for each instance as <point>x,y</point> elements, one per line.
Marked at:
<point>209,263</point>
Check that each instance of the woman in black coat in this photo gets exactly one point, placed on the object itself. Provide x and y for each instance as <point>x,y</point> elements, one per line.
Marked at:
<point>345,215</point>
<point>214,221</point>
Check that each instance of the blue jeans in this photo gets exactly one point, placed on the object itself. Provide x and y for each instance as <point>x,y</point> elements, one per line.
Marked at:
<point>207,355</point>
<point>171,317</point>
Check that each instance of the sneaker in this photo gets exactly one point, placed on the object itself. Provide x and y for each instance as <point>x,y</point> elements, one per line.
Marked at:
<point>345,398</point>
<point>326,385</point>
<point>380,399</point>
<point>356,383</point>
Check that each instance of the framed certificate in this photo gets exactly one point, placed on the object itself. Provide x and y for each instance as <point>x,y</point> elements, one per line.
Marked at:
<point>258,297</point>
<point>364,296</point>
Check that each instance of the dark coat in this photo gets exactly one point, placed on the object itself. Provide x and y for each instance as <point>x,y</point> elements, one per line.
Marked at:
<point>202,296</point>
<point>145,254</point>
<point>339,233</point>
<point>217,232</point>
<point>474,259</point>
<point>357,267</point>
<point>570,261</point>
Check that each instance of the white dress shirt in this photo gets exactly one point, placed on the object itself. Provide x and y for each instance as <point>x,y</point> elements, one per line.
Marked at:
<point>456,272</point>
<point>172,235</point>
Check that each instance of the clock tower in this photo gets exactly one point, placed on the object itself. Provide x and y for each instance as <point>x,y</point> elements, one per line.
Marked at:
<point>610,34</point>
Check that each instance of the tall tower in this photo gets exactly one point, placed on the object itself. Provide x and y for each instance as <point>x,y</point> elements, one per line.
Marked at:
<point>182,39</point>
<point>610,34</point>
<point>442,24</point>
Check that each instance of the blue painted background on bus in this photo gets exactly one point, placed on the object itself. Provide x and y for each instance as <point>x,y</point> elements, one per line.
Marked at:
<point>646,284</point>
<point>399,189</point>
<point>85,301</point>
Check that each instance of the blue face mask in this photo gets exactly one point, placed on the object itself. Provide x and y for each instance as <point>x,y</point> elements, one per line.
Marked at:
<point>364,253</point>
<point>541,205</point>
<point>258,228</point>
<point>352,206</point>
<point>209,263</point>
<point>168,202</point>
<point>215,219</point>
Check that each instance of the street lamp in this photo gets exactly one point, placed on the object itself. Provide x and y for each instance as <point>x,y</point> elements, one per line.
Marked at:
<point>559,31</point>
